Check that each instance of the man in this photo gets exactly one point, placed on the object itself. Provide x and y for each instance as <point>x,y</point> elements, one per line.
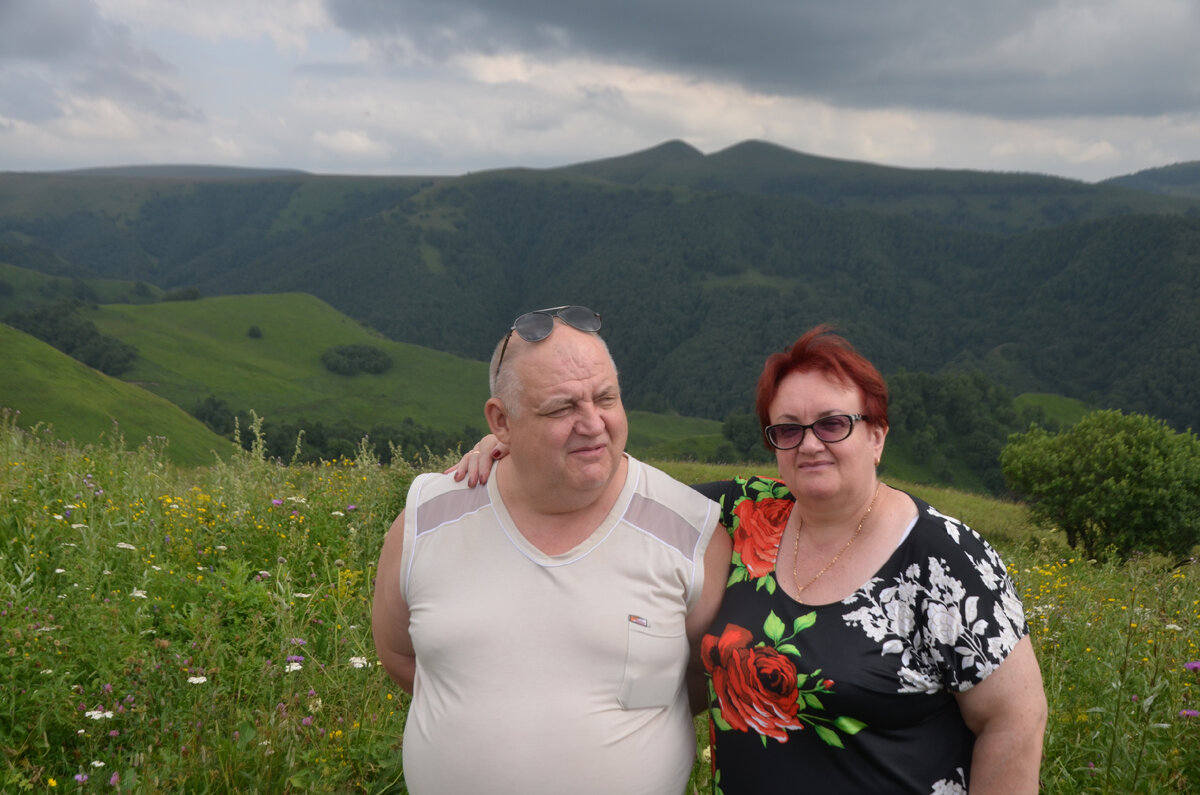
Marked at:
<point>543,622</point>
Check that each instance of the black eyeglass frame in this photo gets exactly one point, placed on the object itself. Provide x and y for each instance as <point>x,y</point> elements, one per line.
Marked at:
<point>532,328</point>
<point>853,418</point>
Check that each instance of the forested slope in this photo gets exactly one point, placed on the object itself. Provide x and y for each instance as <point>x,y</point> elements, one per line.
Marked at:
<point>701,265</point>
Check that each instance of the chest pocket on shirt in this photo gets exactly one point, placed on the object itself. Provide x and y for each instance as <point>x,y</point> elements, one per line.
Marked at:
<point>654,666</point>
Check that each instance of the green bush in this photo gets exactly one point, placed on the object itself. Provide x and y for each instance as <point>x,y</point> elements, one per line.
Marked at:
<point>1121,482</point>
<point>351,359</point>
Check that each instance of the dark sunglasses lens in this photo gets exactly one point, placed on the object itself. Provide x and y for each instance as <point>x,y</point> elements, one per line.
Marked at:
<point>785,436</point>
<point>534,326</point>
<point>832,429</point>
<point>580,317</point>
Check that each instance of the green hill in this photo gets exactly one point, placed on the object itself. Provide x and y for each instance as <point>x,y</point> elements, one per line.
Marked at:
<point>1180,180</point>
<point>73,401</point>
<point>702,265</point>
<point>191,349</point>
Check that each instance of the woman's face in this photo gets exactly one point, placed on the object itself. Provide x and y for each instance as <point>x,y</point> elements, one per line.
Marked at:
<point>816,470</point>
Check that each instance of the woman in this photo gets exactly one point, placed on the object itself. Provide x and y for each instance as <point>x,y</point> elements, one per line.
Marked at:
<point>866,642</point>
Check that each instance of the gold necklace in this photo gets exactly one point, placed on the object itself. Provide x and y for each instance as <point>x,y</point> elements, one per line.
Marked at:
<point>796,551</point>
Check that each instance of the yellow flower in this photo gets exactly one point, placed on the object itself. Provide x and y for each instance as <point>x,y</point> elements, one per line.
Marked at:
<point>52,783</point>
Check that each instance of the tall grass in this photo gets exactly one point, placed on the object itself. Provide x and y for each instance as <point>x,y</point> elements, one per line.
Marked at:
<point>207,630</point>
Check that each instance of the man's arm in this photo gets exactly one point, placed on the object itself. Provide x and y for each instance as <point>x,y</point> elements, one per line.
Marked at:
<point>716,569</point>
<point>389,612</point>
<point>1007,713</point>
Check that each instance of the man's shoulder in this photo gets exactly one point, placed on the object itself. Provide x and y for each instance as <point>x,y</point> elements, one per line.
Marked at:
<point>655,482</point>
<point>435,499</point>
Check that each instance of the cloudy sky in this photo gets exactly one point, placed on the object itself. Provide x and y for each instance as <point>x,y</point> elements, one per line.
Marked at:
<point>1086,89</point>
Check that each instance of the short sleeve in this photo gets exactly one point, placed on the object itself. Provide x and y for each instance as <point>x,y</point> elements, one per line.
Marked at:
<point>970,615</point>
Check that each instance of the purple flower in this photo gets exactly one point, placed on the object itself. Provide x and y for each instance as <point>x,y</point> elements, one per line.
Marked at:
<point>293,658</point>
<point>1194,665</point>
<point>1189,713</point>
<point>299,642</point>
<point>81,777</point>
<point>277,501</point>
<point>115,780</point>
<point>307,721</point>
<point>351,507</point>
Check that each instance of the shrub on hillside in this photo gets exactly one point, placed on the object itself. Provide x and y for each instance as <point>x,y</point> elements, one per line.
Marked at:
<point>62,325</point>
<point>351,359</point>
<point>182,294</point>
<point>1125,482</point>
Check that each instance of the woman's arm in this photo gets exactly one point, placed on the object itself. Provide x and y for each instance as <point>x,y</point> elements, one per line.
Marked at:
<point>1007,713</point>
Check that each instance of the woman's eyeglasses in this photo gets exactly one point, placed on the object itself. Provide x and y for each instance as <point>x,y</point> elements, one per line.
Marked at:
<point>788,435</point>
<point>535,326</point>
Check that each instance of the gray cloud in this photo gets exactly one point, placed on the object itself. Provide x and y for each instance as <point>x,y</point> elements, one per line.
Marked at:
<point>54,50</point>
<point>1017,59</point>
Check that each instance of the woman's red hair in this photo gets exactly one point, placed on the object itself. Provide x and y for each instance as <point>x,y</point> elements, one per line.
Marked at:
<point>823,351</point>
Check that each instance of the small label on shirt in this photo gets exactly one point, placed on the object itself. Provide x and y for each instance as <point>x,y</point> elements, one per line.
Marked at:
<point>641,622</point>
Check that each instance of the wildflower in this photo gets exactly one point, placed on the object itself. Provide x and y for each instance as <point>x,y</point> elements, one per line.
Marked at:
<point>60,571</point>
<point>52,782</point>
<point>98,714</point>
<point>277,502</point>
<point>97,763</point>
<point>307,721</point>
<point>81,778</point>
<point>1194,665</point>
<point>125,545</point>
<point>292,666</point>
<point>47,670</point>
<point>78,526</point>
<point>358,662</point>
<point>115,780</point>
<point>138,593</point>
<point>299,642</point>
<point>302,595</point>
<point>1173,627</point>
<point>337,513</point>
<point>1189,713</point>
<point>351,507</point>
<point>197,680</point>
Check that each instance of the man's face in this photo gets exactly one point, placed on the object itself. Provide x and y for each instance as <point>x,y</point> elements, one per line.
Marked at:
<point>569,430</point>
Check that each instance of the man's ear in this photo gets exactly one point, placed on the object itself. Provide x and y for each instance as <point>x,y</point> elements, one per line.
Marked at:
<point>497,419</point>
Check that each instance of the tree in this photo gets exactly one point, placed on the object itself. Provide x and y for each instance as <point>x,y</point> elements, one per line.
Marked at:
<point>1122,481</point>
<point>351,359</point>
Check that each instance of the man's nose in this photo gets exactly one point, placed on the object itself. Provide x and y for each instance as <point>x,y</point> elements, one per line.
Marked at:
<point>589,420</point>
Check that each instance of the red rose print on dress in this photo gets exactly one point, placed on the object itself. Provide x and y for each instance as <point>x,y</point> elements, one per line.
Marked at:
<point>755,685</point>
<point>759,528</point>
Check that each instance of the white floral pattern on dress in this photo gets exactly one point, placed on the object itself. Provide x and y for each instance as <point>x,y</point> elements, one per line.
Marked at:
<point>925,618</point>
<point>948,787</point>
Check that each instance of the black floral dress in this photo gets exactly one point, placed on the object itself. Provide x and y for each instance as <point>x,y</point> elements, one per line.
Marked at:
<point>854,696</point>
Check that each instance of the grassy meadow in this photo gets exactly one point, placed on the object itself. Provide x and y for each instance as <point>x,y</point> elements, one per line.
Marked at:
<point>207,629</point>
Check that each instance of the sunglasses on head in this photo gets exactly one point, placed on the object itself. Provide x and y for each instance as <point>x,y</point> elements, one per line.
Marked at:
<point>535,326</point>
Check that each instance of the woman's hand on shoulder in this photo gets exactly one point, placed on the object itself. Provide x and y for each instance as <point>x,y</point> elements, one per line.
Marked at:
<point>476,465</point>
